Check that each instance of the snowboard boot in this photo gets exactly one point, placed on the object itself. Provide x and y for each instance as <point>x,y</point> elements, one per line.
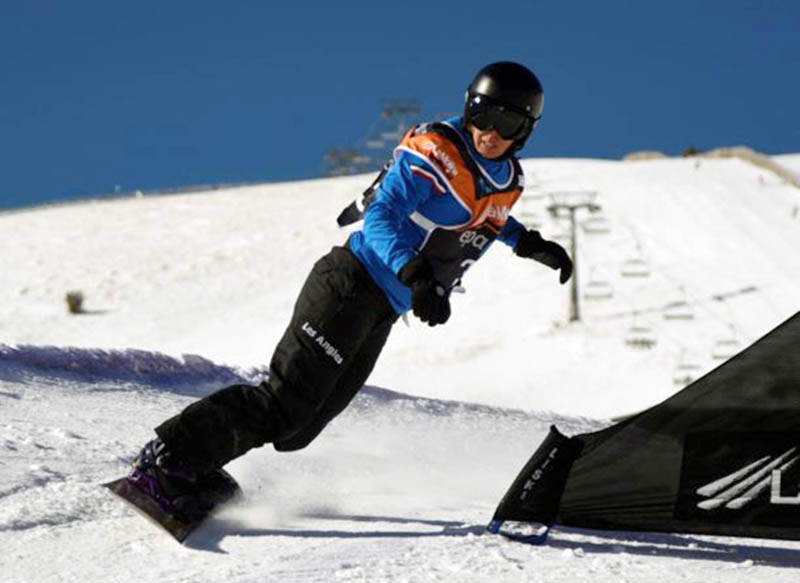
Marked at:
<point>180,488</point>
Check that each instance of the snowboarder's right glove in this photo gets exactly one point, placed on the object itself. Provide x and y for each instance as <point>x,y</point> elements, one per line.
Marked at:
<point>429,298</point>
<point>531,245</point>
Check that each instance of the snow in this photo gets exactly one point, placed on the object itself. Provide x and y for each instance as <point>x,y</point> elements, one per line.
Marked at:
<point>790,162</point>
<point>187,293</point>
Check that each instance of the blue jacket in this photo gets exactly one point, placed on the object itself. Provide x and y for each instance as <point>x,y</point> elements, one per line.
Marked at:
<point>438,197</point>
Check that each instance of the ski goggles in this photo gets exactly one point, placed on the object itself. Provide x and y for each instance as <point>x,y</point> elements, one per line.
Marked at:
<point>511,124</point>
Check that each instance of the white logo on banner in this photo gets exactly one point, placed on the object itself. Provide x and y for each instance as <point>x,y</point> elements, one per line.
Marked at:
<point>738,489</point>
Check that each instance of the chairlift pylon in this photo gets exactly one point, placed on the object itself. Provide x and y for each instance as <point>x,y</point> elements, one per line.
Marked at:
<point>395,117</point>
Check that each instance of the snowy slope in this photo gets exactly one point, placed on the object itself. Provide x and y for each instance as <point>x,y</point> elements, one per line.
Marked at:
<point>216,274</point>
<point>789,161</point>
<point>399,487</point>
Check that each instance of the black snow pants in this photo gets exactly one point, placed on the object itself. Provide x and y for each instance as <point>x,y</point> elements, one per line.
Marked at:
<point>340,324</point>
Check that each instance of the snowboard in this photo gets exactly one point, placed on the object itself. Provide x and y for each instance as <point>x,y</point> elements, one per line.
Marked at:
<point>178,527</point>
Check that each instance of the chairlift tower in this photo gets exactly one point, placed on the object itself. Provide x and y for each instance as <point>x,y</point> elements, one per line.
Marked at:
<point>568,203</point>
<point>372,151</point>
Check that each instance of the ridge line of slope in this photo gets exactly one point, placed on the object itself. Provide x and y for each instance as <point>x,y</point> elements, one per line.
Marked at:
<point>195,375</point>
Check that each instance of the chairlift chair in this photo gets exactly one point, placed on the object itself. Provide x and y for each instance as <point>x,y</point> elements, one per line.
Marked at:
<point>686,373</point>
<point>678,311</point>
<point>725,349</point>
<point>598,290</point>
<point>640,338</point>
<point>635,268</point>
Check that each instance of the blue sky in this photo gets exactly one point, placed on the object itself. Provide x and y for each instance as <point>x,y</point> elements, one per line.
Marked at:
<point>162,94</point>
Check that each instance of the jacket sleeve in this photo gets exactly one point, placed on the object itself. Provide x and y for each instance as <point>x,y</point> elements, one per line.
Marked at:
<point>401,192</point>
<point>511,232</point>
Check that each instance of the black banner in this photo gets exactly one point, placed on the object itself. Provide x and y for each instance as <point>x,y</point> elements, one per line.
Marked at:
<point>722,456</point>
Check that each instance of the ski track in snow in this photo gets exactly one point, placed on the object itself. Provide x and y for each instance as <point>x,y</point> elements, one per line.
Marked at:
<point>398,488</point>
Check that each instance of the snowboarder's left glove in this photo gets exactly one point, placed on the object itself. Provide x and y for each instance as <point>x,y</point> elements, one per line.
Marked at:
<point>429,298</point>
<point>531,245</point>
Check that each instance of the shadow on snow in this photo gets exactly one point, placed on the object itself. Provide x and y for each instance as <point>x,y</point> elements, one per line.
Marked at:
<point>209,537</point>
<point>678,546</point>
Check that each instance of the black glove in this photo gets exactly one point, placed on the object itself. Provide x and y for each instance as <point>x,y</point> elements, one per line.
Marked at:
<point>531,245</point>
<point>429,298</point>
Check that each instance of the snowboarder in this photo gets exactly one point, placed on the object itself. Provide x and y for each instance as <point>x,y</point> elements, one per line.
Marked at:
<point>432,212</point>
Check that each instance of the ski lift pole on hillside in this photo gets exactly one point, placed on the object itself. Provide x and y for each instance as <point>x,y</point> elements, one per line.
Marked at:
<point>572,202</point>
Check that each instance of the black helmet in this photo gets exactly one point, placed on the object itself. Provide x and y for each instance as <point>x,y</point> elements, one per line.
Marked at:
<point>507,97</point>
